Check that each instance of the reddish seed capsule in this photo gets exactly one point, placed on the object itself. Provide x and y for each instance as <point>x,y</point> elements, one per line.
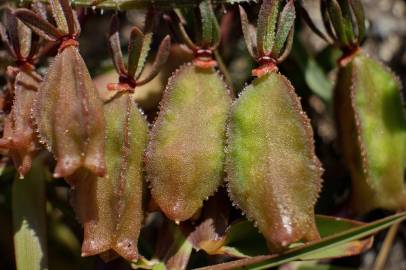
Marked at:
<point>18,135</point>
<point>68,111</point>
<point>111,208</point>
<point>69,115</point>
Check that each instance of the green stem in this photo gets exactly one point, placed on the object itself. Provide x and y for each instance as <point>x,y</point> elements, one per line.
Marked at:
<point>138,4</point>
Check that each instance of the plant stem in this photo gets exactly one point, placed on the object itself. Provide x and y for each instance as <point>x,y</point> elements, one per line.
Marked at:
<point>138,4</point>
<point>386,247</point>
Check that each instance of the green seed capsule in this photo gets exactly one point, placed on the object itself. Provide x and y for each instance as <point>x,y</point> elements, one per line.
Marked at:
<point>111,208</point>
<point>273,173</point>
<point>372,129</point>
<point>185,156</point>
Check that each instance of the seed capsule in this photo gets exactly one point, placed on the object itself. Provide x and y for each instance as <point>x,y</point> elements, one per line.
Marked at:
<point>18,135</point>
<point>372,128</point>
<point>185,155</point>
<point>111,208</point>
<point>68,111</point>
<point>69,115</point>
<point>22,83</point>
<point>369,113</point>
<point>273,173</point>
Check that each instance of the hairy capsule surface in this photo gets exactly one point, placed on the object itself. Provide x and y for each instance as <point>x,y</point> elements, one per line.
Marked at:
<point>69,115</point>
<point>111,207</point>
<point>185,156</point>
<point>18,136</point>
<point>372,128</point>
<point>273,173</point>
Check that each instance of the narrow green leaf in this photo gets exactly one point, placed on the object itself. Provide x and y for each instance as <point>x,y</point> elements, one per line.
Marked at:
<point>160,59</point>
<point>337,20</point>
<point>349,24</point>
<point>329,242</point>
<point>146,45</point>
<point>285,24</point>
<point>207,22</point>
<point>138,49</point>
<point>347,249</point>
<point>248,33</point>
<point>180,30</point>
<point>26,39</point>
<point>135,47</point>
<point>326,20</point>
<point>29,221</point>
<point>216,31</point>
<point>288,47</point>
<point>59,16</point>
<point>358,10</point>
<point>69,17</point>
<point>267,18</point>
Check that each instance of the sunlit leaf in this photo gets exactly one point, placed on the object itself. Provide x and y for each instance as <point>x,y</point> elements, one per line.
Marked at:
<point>267,18</point>
<point>29,221</point>
<point>285,23</point>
